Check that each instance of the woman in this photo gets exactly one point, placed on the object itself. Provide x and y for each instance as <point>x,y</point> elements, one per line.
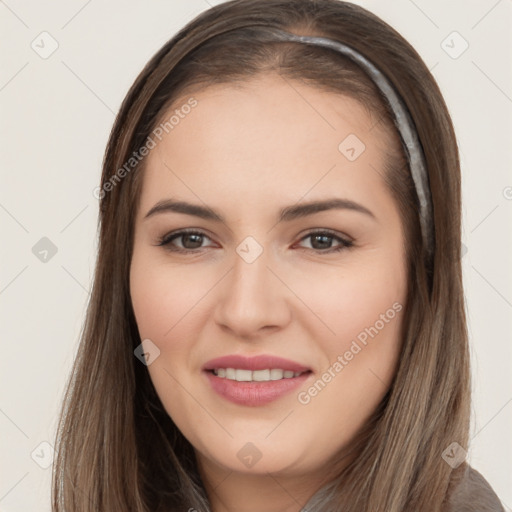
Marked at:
<point>277,319</point>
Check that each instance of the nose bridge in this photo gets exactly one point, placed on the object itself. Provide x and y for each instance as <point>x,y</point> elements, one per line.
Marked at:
<point>252,296</point>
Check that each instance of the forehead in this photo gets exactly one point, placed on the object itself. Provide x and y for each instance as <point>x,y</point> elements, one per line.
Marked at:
<point>279,99</point>
<point>269,134</point>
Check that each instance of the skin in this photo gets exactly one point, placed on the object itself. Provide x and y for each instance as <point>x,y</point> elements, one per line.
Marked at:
<point>246,152</point>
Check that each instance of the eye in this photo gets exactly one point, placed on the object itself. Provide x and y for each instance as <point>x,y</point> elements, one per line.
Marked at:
<point>321,240</point>
<point>191,240</point>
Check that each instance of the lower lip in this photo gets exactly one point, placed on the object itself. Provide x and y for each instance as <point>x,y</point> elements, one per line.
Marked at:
<point>254,393</point>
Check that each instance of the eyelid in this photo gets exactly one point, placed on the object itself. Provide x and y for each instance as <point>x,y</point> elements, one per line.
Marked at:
<point>330,232</point>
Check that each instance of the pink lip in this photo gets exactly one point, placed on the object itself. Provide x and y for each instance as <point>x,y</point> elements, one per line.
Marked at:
<point>262,362</point>
<point>254,393</point>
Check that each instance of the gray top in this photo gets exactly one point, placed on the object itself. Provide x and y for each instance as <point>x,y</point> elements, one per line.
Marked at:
<point>474,494</point>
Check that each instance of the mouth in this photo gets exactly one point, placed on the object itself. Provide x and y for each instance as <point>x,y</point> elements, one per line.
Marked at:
<point>254,381</point>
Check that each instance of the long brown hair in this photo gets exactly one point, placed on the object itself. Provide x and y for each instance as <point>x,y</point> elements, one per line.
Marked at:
<point>117,448</point>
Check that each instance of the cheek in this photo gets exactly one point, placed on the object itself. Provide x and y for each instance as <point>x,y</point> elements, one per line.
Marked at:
<point>165,297</point>
<point>355,304</point>
<point>167,303</point>
<point>367,312</point>
<point>363,310</point>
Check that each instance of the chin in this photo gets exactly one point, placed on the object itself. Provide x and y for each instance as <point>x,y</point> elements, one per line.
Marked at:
<point>257,458</point>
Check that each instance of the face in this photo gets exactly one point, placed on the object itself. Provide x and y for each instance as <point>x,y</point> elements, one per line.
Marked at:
<point>293,275</point>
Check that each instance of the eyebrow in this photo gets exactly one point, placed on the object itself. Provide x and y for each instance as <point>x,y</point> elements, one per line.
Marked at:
<point>286,214</point>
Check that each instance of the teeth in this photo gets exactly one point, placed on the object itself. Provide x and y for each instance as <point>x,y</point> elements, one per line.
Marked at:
<point>276,374</point>
<point>261,375</point>
<point>243,375</point>
<point>254,376</point>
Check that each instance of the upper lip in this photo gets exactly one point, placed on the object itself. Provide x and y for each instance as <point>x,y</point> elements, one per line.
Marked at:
<point>260,362</point>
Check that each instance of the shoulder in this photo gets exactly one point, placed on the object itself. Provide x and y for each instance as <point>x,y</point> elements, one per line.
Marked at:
<point>472,493</point>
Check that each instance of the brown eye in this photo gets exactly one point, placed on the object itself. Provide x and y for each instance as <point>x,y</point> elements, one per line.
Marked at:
<point>190,241</point>
<point>322,241</point>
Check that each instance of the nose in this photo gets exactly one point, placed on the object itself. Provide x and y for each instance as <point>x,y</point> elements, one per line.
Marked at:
<point>253,299</point>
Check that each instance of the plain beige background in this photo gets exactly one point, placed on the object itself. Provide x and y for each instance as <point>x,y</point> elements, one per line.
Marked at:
<point>56,113</point>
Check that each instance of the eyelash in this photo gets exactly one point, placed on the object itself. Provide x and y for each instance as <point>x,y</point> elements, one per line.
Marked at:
<point>166,240</point>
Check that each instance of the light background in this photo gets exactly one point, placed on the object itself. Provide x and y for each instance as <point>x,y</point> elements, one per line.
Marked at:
<point>56,114</point>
